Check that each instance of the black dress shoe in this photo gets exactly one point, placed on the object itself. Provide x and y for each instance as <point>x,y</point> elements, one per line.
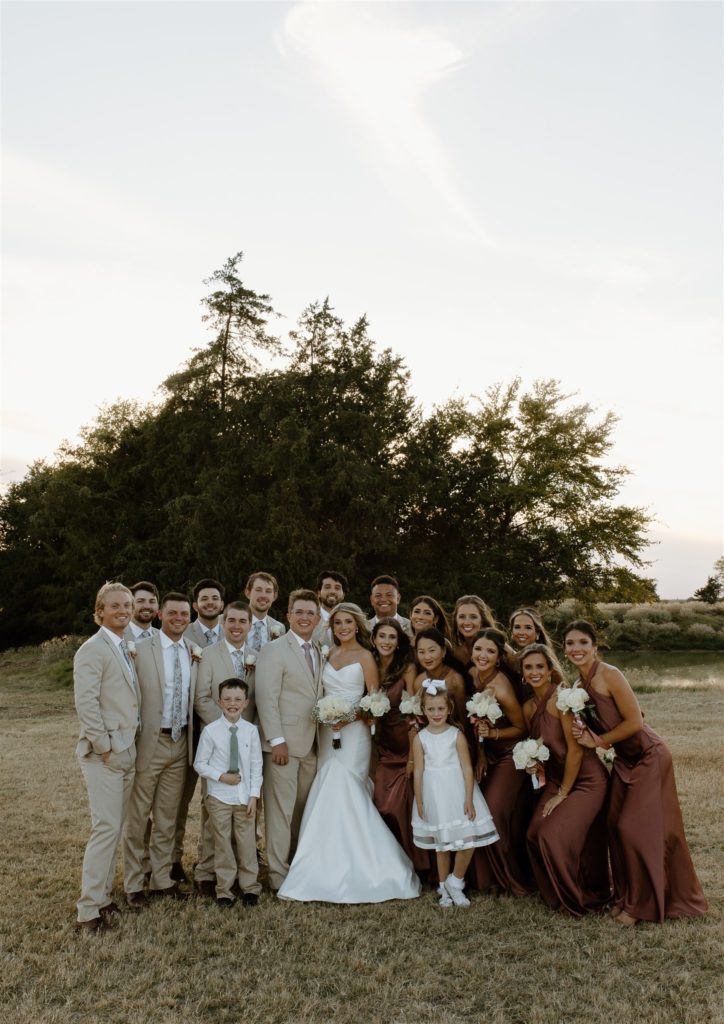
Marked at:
<point>250,899</point>
<point>177,872</point>
<point>206,888</point>
<point>109,910</point>
<point>224,902</point>
<point>136,900</point>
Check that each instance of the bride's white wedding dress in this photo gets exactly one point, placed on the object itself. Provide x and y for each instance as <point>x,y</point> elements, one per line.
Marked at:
<point>346,853</point>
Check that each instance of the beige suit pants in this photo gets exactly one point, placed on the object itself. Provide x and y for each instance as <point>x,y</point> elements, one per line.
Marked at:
<point>229,822</point>
<point>156,791</point>
<point>286,788</point>
<point>109,786</point>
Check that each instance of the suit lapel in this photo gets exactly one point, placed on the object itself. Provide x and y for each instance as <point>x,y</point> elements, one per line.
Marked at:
<point>160,666</point>
<point>128,672</point>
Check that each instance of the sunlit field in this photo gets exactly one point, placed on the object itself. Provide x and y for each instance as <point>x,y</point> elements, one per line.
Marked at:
<point>500,962</point>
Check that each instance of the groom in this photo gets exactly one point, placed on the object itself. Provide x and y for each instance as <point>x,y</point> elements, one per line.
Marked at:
<point>288,684</point>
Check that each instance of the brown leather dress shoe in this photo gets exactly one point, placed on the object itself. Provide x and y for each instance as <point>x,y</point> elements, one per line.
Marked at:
<point>90,927</point>
<point>206,888</point>
<point>177,872</point>
<point>136,900</point>
<point>173,892</point>
<point>109,910</point>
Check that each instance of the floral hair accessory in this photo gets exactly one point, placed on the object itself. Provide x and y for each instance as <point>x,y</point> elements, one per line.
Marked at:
<point>434,686</point>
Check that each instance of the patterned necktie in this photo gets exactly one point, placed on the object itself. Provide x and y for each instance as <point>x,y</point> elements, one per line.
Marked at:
<point>211,636</point>
<point>176,721</point>
<point>256,636</point>
<point>308,655</point>
<point>237,658</point>
<point>124,652</point>
<point>144,634</point>
<point>233,750</point>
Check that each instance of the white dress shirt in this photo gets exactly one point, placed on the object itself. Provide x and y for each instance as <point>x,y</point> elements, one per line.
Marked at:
<point>169,658</point>
<point>212,760</point>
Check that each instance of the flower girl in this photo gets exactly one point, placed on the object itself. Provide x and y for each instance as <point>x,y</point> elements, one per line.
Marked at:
<point>450,814</point>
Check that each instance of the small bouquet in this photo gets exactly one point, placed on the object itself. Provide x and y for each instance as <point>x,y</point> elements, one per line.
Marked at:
<point>577,701</point>
<point>607,757</point>
<point>484,705</point>
<point>333,711</point>
<point>411,708</point>
<point>375,704</point>
<point>532,754</point>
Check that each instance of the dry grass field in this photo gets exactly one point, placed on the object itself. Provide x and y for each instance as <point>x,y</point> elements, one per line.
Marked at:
<point>500,962</point>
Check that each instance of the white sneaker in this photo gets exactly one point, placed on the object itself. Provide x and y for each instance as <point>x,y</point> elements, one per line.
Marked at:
<point>454,888</point>
<point>444,900</point>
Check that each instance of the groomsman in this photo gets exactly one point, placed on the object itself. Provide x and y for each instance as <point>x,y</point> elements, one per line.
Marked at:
<point>261,592</point>
<point>208,604</point>
<point>108,703</point>
<point>204,631</point>
<point>288,684</point>
<point>385,599</point>
<point>331,589</point>
<point>167,678</point>
<point>224,660</point>
<point>145,610</point>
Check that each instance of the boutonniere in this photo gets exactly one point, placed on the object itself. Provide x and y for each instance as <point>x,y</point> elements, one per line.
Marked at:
<point>250,659</point>
<point>275,633</point>
<point>131,648</point>
<point>324,651</point>
<point>196,652</point>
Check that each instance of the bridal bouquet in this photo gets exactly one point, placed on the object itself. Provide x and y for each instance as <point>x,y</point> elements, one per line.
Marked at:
<point>333,711</point>
<point>484,705</point>
<point>532,754</point>
<point>578,702</point>
<point>375,704</point>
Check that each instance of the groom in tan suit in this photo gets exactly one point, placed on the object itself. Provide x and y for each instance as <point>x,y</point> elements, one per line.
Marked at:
<point>288,684</point>
<point>108,703</point>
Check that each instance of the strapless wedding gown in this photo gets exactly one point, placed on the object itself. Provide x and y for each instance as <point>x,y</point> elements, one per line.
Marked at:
<point>346,853</point>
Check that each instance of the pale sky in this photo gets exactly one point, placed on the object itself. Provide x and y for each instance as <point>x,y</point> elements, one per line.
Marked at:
<point>506,189</point>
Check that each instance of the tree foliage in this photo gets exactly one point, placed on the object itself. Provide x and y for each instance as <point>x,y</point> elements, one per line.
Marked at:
<point>322,459</point>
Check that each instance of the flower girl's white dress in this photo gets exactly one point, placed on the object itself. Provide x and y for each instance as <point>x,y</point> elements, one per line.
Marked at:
<point>346,853</point>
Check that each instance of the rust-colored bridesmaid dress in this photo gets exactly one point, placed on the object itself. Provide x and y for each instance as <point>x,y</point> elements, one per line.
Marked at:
<point>393,792</point>
<point>653,874</point>
<point>568,848</point>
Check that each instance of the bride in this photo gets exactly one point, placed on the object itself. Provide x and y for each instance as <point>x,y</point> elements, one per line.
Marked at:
<point>346,853</point>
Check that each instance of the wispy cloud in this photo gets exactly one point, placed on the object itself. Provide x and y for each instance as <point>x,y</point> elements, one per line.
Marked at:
<point>381,66</point>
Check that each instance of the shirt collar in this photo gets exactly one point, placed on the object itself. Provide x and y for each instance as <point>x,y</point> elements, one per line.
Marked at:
<point>117,640</point>
<point>166,641</point>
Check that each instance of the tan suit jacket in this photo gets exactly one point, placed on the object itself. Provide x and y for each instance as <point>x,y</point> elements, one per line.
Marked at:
<point>107,697</point>
<point>216,666</point>
<point>286,692</point>
<point>152,681</point>
<point>195,634</point>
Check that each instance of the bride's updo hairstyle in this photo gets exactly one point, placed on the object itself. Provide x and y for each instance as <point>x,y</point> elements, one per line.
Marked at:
<point>362,632</point>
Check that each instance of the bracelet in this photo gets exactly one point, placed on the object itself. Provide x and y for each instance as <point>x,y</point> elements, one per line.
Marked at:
<point>562,792</point>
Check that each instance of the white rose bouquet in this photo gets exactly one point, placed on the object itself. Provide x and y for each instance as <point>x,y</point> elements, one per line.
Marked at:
<point>529,754</point>
<point>484,705</point>
<point>332,711</point>
<point>375,705</point>
<point>411,704</point>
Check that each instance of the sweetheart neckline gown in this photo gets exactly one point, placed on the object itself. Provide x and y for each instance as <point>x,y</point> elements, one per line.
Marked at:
<point>346,853</point>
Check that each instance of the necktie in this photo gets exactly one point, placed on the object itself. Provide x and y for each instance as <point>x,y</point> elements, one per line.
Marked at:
<point>124,651</point>
<point>211,637</point>
<point>233,750</point>
<point>237,658</point>
<point>176,721</point>
<point>144,634</point>
<point>256,636</point>
<point>308,655</point>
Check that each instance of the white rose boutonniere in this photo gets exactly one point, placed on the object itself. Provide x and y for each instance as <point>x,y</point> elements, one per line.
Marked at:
<point>324,651</point>
<point>275,633</point>
<point>196,652</point>
<point>250,659</point>
<point>131,648</point>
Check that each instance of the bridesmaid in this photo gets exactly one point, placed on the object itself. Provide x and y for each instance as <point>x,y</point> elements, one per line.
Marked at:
<point>470,615</point>
<point>567,836</point>
<point>525,627</point>
<point>653,876</point>
<point>393,792</point>
<point>502,867</point>
<point>436,660</point>
<point>426,613</point>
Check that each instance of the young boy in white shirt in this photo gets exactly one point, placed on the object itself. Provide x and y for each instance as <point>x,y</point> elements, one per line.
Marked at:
<point>229,758</point>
